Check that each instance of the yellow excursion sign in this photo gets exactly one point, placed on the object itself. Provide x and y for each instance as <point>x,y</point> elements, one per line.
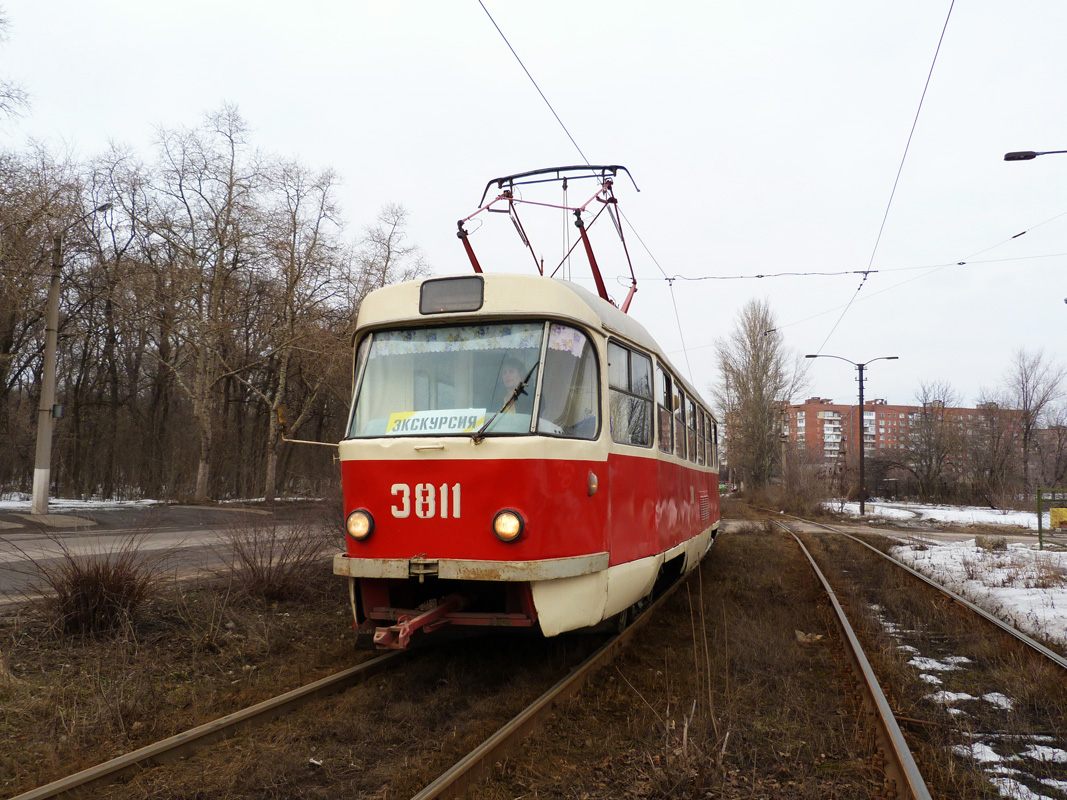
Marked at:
<point>453,420</point>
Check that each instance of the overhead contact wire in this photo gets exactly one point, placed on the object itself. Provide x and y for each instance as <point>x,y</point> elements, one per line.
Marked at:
<point>538,88</point>
<point>678,319</point>
<point>911,134</point>
<point>586,160</point>
<point>896,181</point>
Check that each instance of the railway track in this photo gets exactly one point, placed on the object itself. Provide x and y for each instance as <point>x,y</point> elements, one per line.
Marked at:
<point>188,742</point>
<point>973,679</point>
<point>992,619</point>
<point>476,764</point>
<point>906,781</point>
<point>449,784</point>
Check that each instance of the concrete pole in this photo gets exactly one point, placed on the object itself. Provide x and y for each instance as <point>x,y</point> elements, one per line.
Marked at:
<point>863,448</point>
<point>42,464</point>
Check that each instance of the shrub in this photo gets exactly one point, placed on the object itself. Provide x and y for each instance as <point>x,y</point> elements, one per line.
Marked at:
<point>96,592</point>
<point>992,543</point>
<point>278,561</point>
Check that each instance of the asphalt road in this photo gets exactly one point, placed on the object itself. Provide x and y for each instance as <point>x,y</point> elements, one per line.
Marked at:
<point>181,541</point>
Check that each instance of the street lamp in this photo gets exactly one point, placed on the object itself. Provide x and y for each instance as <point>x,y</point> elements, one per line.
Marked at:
<point>42,462</point>
<point>859,366</point>
<point>1027,155</point>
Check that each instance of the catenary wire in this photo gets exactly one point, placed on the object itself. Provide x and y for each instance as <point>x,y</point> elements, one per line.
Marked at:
<point>531,77</point>
<point>965,261</point>
<point>930,270</point>
<point>586,160</point>
<point>896,181</point>
<point>930,267</point>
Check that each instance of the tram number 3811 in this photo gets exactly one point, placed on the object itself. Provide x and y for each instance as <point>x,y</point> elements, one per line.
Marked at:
<point>429,501</point>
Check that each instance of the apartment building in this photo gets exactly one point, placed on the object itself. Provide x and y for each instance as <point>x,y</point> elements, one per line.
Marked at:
<point>831,431</point>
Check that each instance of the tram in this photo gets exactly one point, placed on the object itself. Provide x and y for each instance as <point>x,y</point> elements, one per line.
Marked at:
<point>519,452</point>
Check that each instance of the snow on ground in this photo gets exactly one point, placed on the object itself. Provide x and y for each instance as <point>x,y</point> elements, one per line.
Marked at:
<point>1019,582</point>
<point>20,503</point>
<point>956,515</point>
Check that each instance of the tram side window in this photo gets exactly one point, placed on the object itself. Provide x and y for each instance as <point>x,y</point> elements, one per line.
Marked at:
<point>691,427</point>
<point>709,425</point>
<point>713,442</point>
<point>678,403</point>
<point>664,411</point>
<point>630,398</point>
<point>700,437</point>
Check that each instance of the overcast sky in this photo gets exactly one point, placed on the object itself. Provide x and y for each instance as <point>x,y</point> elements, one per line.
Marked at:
<point>765,137</point>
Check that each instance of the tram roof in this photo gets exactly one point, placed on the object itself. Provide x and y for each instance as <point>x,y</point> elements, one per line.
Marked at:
<point>509,296</point>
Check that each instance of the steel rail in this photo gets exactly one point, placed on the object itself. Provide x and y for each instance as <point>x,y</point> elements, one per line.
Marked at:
<point>475,764</point>
<point>184,743</point>
<point>1007,627</point>
<point>900,767</point>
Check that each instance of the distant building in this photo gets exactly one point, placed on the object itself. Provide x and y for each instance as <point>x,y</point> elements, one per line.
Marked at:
<point>830,432</point>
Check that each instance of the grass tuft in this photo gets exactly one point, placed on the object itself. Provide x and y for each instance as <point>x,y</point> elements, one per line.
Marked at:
<point>996,544</point>
<point>89,594</point>
<point>278,561</point>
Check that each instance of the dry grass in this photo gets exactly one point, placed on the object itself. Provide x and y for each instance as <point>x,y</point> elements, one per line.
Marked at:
<point>720,697</point>
<point>188,656</point>
<point>991,565</point>
<point>278,561</point>
<point>996,544</point>
<point>717,698</point>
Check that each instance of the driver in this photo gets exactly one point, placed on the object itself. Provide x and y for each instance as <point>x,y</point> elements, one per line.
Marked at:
<point>512,373</point>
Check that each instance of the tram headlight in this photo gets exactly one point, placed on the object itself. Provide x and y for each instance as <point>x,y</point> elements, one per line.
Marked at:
<point>359,524</point>
<point>508,525</point>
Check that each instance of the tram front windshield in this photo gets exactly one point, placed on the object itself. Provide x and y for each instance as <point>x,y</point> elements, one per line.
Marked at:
<point>465,379</point>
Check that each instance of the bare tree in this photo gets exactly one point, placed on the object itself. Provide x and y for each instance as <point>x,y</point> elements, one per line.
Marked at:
<point>1033,384</point>
<point>1054,448</point>
<point>991,444</point>
<point>151,299</point>
<point>37,192</point>
<point>803,485</point>
<point>206,187</point>
<point>756,383</point>
<point>217,288</point>
<point>933,445</point>
<point>13,98</point>
<point>307,257</point>
<point>384,255</point>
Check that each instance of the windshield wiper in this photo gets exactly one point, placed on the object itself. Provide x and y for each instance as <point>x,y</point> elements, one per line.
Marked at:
<point>520,389</point>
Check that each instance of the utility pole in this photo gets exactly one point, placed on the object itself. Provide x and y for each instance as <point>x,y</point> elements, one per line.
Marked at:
<point>42,462</point>
<point>862,445</point>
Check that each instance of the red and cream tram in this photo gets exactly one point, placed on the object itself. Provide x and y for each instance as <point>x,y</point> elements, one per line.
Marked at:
<point>520,453</point>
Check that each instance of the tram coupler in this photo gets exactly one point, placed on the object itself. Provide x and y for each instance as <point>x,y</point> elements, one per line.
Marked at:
<point>397,637</point>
